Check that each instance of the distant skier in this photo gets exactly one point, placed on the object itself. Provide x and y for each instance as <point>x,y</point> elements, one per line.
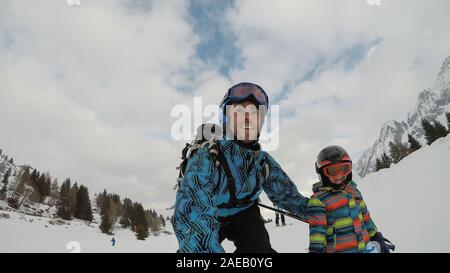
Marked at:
<point>277,218</point>
<point>338,217</point>
<point>113,241</point>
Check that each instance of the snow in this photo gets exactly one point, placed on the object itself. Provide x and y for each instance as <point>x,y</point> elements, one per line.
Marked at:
<point>408,202</point>
<point>25,233</point>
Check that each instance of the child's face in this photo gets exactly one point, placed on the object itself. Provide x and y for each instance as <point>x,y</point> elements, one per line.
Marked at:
<point>338,180</point>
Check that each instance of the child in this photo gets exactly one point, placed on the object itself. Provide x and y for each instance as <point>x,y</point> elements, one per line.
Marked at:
<point>338,217</point>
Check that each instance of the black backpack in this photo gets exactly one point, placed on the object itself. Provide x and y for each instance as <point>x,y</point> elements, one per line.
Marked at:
<point>208,135</point>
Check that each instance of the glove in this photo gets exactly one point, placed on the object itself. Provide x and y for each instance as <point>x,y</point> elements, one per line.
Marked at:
<point>378,237</point>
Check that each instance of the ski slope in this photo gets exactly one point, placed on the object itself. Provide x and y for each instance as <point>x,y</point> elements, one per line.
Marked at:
<point>25,233</point>
<point>409,203</point>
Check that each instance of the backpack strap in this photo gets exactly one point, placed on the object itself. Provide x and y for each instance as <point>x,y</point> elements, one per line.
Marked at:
<point>247,200</point>
<point>231,183</point>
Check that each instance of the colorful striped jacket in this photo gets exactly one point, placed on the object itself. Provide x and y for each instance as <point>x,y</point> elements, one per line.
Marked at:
<point>338,220</point>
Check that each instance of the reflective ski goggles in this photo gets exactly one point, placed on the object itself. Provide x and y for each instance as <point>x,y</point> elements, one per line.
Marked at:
<point>337,170</point>
<point>326,162</point>
<point>245,90</point>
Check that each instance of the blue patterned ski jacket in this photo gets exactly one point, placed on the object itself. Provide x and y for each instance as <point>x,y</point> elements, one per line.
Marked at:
<point>204,188</point>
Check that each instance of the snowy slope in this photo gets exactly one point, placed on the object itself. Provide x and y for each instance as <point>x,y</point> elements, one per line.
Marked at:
<point>26,233</point>
<point>432,103</point>
<point>410,202</point>
<point>34,227</point>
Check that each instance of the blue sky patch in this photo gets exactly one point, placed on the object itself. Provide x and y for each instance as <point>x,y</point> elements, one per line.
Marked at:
<point>354,55</point>
<point>217,42</point>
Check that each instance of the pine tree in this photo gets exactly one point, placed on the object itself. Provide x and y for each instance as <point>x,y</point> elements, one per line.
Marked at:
<point>23,180</point>
<point>134,217</point>
<point>139,221</point>
<point>447,115</point>
<point>47,185</point>
<point>142,231</point>
<point>108,207</point>
<point>394,152</point>
<point>115,207</point>
<point>398,151</point>
<point>73,197</point>
<point>87,207</point>
<point>34,177</point>
<point>126,212</point>
<point>105,224</point>
<point>163,222</point>
<point>63,205</point>
<point>414,145</point>
<point>440,130</point>
<point>100,201</point>
<point>35,183</point>
<point>430,135</point>
<point>83,209</point>
<point>143,225</point>
<point>42,185</point>
<point>4,184</point>
<point>386,161</point>
<point>378,165</point>
<point>54,193</point>
<point>34,195</point>
<point>153,220</point>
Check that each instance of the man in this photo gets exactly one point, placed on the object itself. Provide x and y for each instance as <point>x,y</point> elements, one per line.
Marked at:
<point>220,201</point>
<point>277,218</point>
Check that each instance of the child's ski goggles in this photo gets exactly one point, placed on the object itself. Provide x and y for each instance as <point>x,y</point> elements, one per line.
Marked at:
<point>337,170</point>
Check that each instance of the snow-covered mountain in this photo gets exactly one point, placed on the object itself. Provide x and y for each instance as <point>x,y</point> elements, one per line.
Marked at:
<point>432,103</point>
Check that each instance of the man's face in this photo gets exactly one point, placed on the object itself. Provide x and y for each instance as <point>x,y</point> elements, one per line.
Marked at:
<point>244,121</point>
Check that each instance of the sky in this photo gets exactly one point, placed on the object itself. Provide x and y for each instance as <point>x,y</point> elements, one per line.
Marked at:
<point>87,91</point>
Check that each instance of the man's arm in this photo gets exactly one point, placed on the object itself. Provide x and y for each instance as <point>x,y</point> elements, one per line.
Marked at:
<point>282,191</point>
<point>196,217</point>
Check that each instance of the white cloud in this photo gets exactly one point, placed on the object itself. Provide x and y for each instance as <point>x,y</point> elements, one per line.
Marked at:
<point>282,42</point>
<point>87,92</point>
